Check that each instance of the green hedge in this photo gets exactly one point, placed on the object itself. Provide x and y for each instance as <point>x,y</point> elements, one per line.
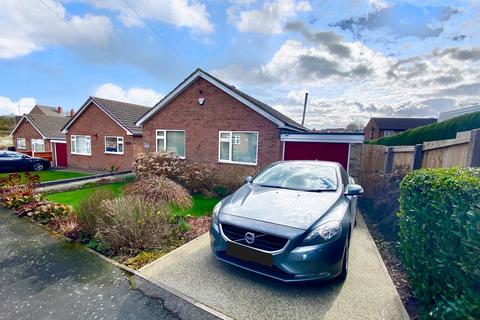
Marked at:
<point>436,131</point>
<point>440,240</point>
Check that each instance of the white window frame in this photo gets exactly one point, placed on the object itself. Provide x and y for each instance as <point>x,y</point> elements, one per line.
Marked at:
<point>35,143</point>
<point>164,138</point>
<point>72,144</point>
<point>120,140</point>
<point>20,146</point>
<point>230,140</point>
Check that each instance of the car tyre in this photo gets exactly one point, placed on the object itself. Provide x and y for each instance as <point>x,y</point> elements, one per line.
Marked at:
<point>343,275</point>
<point>37,166</point>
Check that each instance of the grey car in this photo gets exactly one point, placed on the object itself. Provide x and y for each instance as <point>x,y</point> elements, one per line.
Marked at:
<point>293,222</point>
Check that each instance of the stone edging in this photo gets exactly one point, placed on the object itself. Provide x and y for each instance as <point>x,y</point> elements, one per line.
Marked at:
<point>179,304</point>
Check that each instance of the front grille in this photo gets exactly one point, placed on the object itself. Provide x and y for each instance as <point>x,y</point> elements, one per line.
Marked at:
<point>263,241</point>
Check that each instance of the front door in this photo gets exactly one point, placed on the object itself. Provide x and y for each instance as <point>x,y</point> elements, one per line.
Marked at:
<point>61,154</point>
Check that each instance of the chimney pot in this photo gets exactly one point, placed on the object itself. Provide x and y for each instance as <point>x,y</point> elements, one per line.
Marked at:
<point>59,109</point>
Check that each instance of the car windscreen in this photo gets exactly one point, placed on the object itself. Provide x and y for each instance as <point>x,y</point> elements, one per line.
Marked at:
<point>299,176</point>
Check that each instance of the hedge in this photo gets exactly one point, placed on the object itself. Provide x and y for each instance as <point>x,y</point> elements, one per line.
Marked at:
<point>439,240</point>
<point>436,131</point>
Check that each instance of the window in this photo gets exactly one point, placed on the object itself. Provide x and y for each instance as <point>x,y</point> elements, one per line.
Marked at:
<point>171,141</point>
<point>387,133</point>
<point>298,176</point>
<point>81,145</point>
<point>114,145</point>
<point>38,145</point>
<point>21,143</point>
<point>238,147</point>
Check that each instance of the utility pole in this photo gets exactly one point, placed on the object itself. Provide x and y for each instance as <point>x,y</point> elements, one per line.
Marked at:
<point>304,107</point>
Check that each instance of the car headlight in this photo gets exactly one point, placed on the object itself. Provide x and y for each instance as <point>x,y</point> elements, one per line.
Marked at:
<point>215,212</point>
<point>328,231</point>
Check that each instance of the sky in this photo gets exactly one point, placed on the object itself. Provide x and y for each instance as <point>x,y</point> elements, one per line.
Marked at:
<point>356,59</point>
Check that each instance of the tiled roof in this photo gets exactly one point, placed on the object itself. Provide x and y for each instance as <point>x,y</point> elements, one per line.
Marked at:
<point>49,126</point>
<point>48,111</point>
<point>402,123</point>
<point>125,113</point>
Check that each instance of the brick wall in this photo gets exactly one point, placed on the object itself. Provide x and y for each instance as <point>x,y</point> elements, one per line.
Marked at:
<point>27,131</point>
<point>202,123</point>
<point>96,124</point>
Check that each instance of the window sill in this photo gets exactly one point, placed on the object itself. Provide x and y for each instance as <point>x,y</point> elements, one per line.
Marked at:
<point>81,154</point>
<point>237,162</point>
<point>116,153</point>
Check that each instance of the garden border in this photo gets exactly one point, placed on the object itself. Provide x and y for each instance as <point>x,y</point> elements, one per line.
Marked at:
<point>95,176</point>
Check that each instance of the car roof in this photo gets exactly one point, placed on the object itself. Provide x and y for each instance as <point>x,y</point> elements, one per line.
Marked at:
<point>314,162</point>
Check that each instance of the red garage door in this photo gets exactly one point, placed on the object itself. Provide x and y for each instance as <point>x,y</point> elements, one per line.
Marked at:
<point>337,152</point>
<point>61,154</point>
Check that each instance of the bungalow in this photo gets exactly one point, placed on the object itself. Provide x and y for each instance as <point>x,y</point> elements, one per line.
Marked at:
<point>39,134</point>
<point>102,135</point>
<point>207,120</point>
<point>384,127</point>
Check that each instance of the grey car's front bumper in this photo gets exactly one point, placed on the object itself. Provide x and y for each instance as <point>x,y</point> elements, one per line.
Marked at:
<point>291,264</point>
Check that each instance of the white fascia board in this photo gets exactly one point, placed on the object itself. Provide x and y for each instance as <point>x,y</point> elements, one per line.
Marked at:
<point>331,138</point>
<point>219,85</point>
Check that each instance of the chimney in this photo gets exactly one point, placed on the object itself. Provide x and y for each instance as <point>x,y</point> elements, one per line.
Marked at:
<point>71,113</point>
<point>60,110</point>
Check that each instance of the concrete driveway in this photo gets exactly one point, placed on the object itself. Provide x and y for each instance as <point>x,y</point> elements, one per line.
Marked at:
<point>368,292</point>
<point>45,278</point>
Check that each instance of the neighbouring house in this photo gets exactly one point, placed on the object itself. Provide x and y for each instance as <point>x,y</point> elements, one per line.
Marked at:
<point>384,127</point>
<point>207,120</point>
<point>445,115</point>
<point>47,111</point>
<point>102,135</point>
<point>40,135</point>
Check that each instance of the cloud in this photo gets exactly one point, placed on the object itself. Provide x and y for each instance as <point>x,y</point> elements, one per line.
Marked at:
<point>402,20</point>
<point>8,106</point>
<point>295,63</point>
<point>27,26</point>
<point>180,13</point>
<point>142,96</point>
<point>469,54</point>
<point>268,19</point>
<point>329,39</point>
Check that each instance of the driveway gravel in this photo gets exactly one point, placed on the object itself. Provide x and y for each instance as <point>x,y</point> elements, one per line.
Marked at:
<point>46,278</point>
<point>368,292</point>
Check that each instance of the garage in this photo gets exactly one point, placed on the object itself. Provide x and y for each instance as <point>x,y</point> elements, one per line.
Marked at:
<point>324,146</point>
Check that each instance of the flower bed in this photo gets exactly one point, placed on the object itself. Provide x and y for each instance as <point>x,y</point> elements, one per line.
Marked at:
<point>130,226</point>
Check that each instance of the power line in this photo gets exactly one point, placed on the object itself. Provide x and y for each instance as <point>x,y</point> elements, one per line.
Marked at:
<point>155,32</point>
<point>72,27</point>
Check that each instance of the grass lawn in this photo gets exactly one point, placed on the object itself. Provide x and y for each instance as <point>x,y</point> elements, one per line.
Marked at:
<point>201,205</point>
<point>51,175</point>
<point>74,197</point>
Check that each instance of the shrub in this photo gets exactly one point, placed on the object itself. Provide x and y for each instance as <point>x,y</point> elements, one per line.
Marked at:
<point>43,211</point>
<point>89,209</point>
<point>447,129</point>
<point>13,193</point>
<point>440,240</point>
<point>192,175</point>
<point>131,224</point>
<point>161,189</point>
<point>69,226</point>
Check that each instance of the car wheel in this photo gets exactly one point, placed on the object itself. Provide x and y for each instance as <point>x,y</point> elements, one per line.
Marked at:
<point>38,166</point>
<point>343,275</point>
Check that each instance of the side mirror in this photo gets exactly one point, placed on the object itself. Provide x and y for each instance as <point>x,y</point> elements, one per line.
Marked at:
<point>354,190</point>
<point>247,179</point>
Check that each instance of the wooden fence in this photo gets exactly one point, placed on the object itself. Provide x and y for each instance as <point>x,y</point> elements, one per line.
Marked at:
<point>378,161</point>
<point>44,155</point>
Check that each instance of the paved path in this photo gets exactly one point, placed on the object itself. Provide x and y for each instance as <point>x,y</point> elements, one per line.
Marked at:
<point>45,278</point>
<point>368,292</point>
